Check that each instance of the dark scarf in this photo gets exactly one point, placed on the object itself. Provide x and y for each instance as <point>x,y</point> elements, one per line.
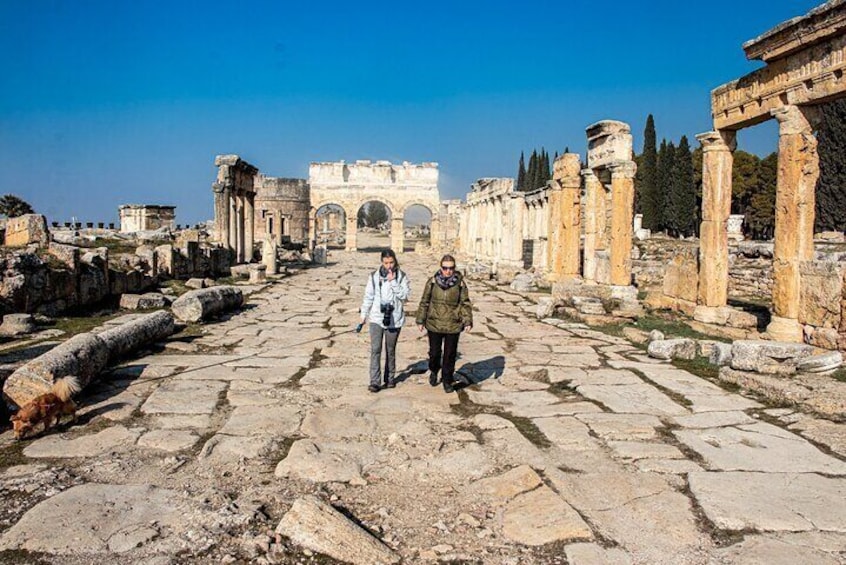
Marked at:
<point>446,282</point>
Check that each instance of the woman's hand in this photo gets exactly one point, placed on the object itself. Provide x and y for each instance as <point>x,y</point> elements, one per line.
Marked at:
<point>421,327</point>
<point>468,328</point>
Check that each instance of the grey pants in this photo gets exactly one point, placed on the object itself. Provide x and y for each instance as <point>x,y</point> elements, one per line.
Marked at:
<point>378,334</point>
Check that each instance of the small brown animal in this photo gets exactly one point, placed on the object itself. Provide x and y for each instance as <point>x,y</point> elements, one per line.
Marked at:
<point>46,407</point>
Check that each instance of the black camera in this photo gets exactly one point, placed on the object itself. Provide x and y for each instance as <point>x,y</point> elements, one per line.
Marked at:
<point>388,311</point>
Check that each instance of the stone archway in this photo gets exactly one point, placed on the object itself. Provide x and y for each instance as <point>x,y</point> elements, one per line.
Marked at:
<point>397,186</point>
<point>434,222</point>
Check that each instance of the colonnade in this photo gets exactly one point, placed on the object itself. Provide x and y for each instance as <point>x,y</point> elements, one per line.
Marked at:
<point>234,206</point>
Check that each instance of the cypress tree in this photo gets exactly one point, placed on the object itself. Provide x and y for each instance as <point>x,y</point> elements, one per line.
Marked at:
<point>545,174</point>
<point>532,173</point>
<point>662,184</point>
<point>831,187</point>
<point>648,192</point>
<point>682,204</point>
<point>521,173</point>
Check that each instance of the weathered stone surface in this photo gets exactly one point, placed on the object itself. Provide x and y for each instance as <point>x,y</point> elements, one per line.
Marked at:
<point>633,399</point>
<point>523,283</point>
<point>546,307</point>
<point>258,274</point>
<point>323,462</point>
<point>720,354</point>
<point>540,517</point>
<point>195,283</point>
<point>758,447</point>
<point>145,301</point>
<point>201,304</point>
<point>27,229</point>
<point>672,349</point>
<point>169,440</point>
<point>508,485</point>
<point>116,438</point>
<point>771,501</point>
<point>17,324</point>
<point>276,421</point>
<point>772,550</point>
<point>768,356</point>
<point>315,525</point>
<point>184,397</point>
<point>595,554</point>
<point>821,363</point>
<point>820,295</point>
<point>107,518</point>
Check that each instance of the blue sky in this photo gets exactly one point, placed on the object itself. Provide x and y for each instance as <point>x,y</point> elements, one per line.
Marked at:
<point>104,103</point>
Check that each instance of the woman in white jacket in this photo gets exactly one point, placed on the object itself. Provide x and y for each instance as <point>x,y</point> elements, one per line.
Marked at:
<point>387,291</point>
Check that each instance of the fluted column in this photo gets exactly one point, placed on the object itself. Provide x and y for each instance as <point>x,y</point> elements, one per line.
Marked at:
<point>717,163</point>
<point>798,171</point>
<point>622,218</point>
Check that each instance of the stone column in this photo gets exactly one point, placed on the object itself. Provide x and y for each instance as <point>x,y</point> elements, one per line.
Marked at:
<point>268,255</point>
<point>221,212</point>
<point>798,171</point>
<point>249,226</point>
<point>436,236</point>
<point>717,162</point>
<point>352,230</point>
<point>622,222</point>
<point>397,235</point>
<point>564,219</point>
<point>233,223</point>
<point>593,192</point>
<point>241,223</point>
<point>499,220</point>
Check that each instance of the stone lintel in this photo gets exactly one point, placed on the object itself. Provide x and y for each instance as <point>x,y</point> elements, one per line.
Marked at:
<point>725,140</point>
<point>605,128</point>
<point>623,169</point>
<point>798,33</point>
<point>812,75</point>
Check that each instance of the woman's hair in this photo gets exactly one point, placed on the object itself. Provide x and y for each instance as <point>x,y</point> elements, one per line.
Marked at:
<point>390,253</point>
<point>447,257</point>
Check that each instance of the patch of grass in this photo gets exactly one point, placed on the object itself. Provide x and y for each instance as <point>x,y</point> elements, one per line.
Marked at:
<point>839,375</point>
<point>700,367</point>
<point>12,454</point>
<point>115,246</point>
<point>80,324</point>
<point>673,328</point>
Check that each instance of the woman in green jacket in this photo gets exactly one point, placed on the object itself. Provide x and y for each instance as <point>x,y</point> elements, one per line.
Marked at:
<point>445,312</point>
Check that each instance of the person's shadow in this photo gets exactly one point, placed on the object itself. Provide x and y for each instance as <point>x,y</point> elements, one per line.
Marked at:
<point>481,371</point>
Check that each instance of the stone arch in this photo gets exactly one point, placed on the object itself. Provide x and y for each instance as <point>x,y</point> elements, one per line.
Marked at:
<point>314,228</point>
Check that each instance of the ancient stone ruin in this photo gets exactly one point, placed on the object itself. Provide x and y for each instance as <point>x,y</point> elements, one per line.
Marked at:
<point>146,217</point>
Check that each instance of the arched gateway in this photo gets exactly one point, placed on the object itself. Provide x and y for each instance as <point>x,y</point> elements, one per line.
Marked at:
<point>350,186</point>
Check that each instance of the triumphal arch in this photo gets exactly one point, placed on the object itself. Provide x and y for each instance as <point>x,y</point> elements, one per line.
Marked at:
<point>805,59</point>
<point>351,185</point>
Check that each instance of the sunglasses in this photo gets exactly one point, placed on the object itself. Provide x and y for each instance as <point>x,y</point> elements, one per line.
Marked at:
<point>448,267</point>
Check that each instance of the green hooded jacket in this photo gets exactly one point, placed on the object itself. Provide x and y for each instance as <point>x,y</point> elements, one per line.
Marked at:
<point>445,311</point>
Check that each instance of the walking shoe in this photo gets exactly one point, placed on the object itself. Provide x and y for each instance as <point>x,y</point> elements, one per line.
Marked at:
<point>391,383</point>
<point>448,387</point>
<point>373,388</point>
<point>433,378</point>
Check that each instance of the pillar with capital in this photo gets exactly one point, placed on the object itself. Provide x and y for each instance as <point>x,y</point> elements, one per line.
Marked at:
<point>352,230</point>
<point>221,211</point>
<point>622,218</point>
<point>717,163</point>
<point>798,171</point>
<point>249,226</point>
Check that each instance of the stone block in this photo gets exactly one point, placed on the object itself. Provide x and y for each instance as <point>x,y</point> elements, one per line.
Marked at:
<point>681,279</point>
<point>825,338</point>
<point>771,357</point>
<point>258,274</point>
<point>523,282</point>
<point>820,294</point>
<point>821,363</point>
<point>26,230</point>
<point>588,305</point>
<point>681,348</point>
<point>546,307</point>
<point>17,324</point>
<point>195,283</point>
<point>142,301</point>
<point>67,254</point>
<point>720,354</point>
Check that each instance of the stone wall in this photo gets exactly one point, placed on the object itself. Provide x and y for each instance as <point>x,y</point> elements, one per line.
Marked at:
<point>281,208</point>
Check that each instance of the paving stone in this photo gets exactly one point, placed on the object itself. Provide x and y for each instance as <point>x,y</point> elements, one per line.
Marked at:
<point>758,447</point>
<point>506,486</point>
<point>115,438</point>
<point>633,399</point>
<point>184,397</point>
<point>713,420</point>
<point>566,432</point>
<point>622,426</point>
<point>595,554</point>
<point>108,518</point>
<point>276,421</point>
<point>768,550</point>
<point>333,423</point>
<point>168,440</point>
<point>223,449</point>
<point>636,450</point>
<point>540,517</point>
<point>771,501</point>
<point>326,462</point>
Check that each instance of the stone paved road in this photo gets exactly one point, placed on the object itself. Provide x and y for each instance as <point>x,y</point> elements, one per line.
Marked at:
<point>572,446</point>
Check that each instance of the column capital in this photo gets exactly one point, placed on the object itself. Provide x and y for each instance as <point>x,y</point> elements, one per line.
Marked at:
<point>623,170</point>
<point>722,140</point>
<point>795,119</point>
<point>588,174</point>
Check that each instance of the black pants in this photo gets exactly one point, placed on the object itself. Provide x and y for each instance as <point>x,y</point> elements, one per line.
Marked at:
<point>443,346</point>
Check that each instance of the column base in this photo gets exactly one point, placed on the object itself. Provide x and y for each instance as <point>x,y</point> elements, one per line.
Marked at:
<point>785,329</point>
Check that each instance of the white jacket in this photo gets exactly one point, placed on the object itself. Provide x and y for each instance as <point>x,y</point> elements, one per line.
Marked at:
<point>382,291</point>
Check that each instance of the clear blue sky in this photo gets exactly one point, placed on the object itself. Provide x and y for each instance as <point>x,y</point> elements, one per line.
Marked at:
<point>104,103</point>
